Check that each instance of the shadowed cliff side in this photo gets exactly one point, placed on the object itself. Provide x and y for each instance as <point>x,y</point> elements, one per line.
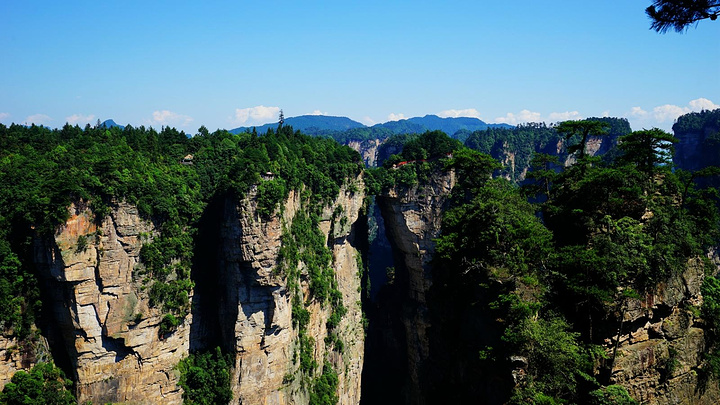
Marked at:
<point>412,219</point>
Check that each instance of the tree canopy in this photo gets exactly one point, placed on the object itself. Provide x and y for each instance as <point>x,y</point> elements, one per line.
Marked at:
<point>547,288</point>
<point>45,384</point>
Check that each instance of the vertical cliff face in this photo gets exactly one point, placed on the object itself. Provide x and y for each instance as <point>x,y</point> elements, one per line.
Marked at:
<point>661,344</point>
<point>368,149</point>
<point>515,169</point>
<point>103,324</point>
<point>256,303</point>
<point>16,355</point>
<point>699,144</point>
<point>697,147</point>
<point>102,317</point>
<point>413,220</point>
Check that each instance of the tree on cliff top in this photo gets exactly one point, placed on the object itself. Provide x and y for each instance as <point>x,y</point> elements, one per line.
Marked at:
<point>582,129</point>
<point>680,14</point>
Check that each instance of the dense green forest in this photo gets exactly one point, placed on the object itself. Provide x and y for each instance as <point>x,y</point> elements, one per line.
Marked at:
<point>43,171</point>
<point>699,122</point>
<point>344,130</point>
<point>539,280</point>
<point>525,140</point>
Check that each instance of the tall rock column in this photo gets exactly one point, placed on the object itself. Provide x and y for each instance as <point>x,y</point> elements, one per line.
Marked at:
<point>256,308</point>
<point>102,314</point>
<point>413,220</point>
<point>661,344</point>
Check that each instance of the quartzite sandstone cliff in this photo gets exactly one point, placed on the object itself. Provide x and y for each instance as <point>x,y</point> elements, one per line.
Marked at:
<point>88,274</point>
<point>413,219</point>
<point>103,324</point>
<point>262,335</point>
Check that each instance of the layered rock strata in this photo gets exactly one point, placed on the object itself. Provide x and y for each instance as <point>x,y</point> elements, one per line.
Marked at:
<point>102,314</point>
<point>258,299</point>
<point>661,342</point>
<point>17,355</point>
<point>368,149</point>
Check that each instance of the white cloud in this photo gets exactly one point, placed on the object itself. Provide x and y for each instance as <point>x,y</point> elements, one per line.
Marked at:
<point>396,117</point>
<point>664,116</point>
<point>79,119</point>
<point>671,112</point>
<point>638,112</point>
<point>169,118</point>
<point>4,116</point>
<point>702,104</point>
<point>668,112</point>
<point>317,112</point>
<point>525,116</point>
<point>564,116</point>
<point>38,119</point>
<point>522,116</point>
<point>468,112</point>
<point>255,115</point>
<point>368,121</point>
<point>605,114</point>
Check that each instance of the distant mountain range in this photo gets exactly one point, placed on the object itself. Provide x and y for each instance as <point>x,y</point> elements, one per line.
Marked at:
<point>343,128</point>
<point>432,123</point>
<point>110,123</point>
<point>309,124</point>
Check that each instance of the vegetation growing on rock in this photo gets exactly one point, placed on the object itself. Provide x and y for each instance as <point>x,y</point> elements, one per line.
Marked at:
<point>44,384</point>
<point>547,292</point>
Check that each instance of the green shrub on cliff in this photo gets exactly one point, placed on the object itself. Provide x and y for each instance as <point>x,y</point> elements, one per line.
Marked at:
<point>549,288</point>
<point>44,384</point>
<point>205,378</point>
<point>324,388</point>
<point>711,313</point>
<point>421,155</point>
<point>169,176</point>
<point>611,395</point>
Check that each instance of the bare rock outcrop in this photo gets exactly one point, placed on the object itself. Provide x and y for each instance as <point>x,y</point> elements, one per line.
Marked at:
<point>258,303</point>
<point>660,351</point>
<point>368,149</point>
<point>103,315</point>
<point>20,355</point>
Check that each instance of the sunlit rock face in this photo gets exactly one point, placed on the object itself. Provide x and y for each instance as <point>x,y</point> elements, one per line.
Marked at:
<point>102,314</point>
<point>660,344</point>
<point>256,308</point>
<point>104,324</point>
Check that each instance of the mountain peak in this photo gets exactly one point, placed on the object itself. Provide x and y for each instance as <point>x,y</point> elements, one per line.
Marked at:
<point>110,123</point>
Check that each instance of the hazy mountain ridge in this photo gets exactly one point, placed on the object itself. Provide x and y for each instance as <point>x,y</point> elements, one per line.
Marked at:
<point>309,124</point>
<point>110,124</point>
<point>344,129</point>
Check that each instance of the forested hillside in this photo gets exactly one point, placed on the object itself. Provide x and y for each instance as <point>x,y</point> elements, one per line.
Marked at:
<point>344,130</point>
<point>491,296</point>
<point>542,294</point>
<point>168,176</point>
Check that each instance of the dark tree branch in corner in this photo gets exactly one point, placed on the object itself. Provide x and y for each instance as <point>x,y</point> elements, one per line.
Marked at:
<point>680,14</point>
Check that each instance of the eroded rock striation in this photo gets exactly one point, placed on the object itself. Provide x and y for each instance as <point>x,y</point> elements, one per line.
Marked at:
<point>661,342</point>
<point>368,149</point>
<point>102,322</point>
<point>101,313</point>
<point>256,314</point>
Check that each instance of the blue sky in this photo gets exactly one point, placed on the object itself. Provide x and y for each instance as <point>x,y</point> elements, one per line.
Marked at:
<point>229,64</point>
